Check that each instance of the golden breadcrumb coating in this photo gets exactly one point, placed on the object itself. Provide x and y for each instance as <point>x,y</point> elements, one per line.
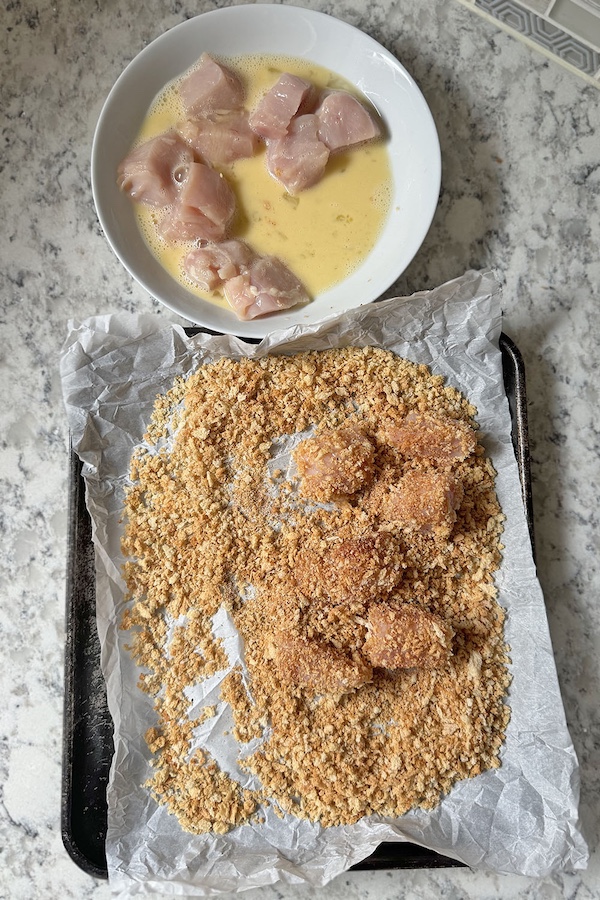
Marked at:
<point>425,499</point>
<point>429,437</point>
<point>335,463</point>
<point>374,667</point>
<point>406,637</point>
<point>317,666</point>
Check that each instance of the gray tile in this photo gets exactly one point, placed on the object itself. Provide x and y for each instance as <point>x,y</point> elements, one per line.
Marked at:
<point>515,16</point>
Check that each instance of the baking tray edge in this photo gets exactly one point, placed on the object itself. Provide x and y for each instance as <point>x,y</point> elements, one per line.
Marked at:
<point>88,730</point>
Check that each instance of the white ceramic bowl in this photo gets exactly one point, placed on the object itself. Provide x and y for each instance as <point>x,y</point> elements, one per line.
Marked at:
<point>289,31</point>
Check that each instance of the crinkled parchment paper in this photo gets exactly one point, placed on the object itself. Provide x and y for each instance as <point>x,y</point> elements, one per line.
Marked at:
<point>520,818</point>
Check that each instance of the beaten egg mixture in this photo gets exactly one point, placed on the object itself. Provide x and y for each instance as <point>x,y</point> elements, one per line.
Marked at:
<point>323,233</point>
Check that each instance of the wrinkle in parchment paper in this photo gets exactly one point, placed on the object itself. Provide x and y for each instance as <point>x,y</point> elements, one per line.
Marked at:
<point>521,818</point>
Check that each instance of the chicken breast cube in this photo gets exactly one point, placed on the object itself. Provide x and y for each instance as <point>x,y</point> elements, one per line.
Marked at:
<point>317,667</point>
<point>253,285</point>
<point>154,171</point>
<point>209,86</point>
<point>204,208</point>
<point>298,159</point>
<point>220,139</point>
<point>335,463</point>
<point>266,286</point>
<point>406,637</point>
<point>344,121</point>
<point>214,264</point>
<point>426,500</point>
<point>289,96</point>
<point>442,440</point>
<point>366,568</point>
<point>207,190</point>
<point>186,223</point>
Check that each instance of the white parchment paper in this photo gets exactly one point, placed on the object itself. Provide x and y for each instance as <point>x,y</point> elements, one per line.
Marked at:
<point>521,818</point>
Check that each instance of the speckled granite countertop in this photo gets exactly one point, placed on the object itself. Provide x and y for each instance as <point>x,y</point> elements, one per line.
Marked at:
<point>521,187</point>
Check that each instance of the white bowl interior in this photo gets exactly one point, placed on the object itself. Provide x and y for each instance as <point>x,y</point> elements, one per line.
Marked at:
<point>286,31</point>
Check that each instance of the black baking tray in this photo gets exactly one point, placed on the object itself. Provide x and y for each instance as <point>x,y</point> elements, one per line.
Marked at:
<point>88,728</point>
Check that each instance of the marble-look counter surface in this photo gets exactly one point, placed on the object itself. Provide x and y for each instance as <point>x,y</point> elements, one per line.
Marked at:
<point>521,187</point>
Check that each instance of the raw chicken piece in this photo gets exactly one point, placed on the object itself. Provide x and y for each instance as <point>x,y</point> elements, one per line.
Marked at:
<point>186,223</point>
<point>406,637</point>
<point>335,463</point>
<point>426,500</point>
<point>209,191</point>
<point>421,436</point>
<point>220,139</point>
<point>209,86</point>
<point>298,159</point>
<point>366,568</point>
<point>253,285</point>
<point>154,171</point>
<point>204,208</point>
<point>210,266</point>
<point>288,97</point>
<point>266,287</point>
<point>344,121</point>
<point>318,667</point>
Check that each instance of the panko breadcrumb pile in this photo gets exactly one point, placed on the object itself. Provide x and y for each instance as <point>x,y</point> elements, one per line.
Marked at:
<point>360,578</point>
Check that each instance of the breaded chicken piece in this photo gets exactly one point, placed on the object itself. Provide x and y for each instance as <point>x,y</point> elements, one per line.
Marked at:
<point>426,500</point>
<point>317,667</point>
<point>436,439</point>
<point>363,568</point>
<point>335,463</point>
<point>406,637</point>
